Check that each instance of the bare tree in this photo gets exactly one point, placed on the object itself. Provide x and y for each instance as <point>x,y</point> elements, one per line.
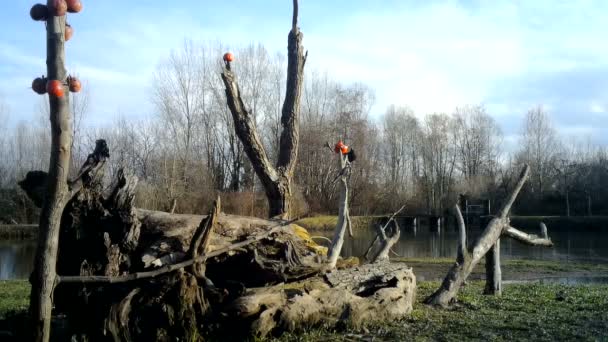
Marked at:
<point>277,180</point>
<point>4,144</point>
<point>477,139</point>
<point>539,147</point>
<point>438,161</point>
<point>401,132</point>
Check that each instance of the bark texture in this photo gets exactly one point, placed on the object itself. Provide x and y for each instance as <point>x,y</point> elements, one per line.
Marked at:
<point>493,271</point>
<point>488,244</point>
<point>343,215</point>
<point>348,298</point>
<point>277,180</point>
<point>468,258</point>
<point>43,281</point>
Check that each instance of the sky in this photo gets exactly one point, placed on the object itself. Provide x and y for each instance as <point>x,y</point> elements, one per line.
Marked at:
<point>428,55</point>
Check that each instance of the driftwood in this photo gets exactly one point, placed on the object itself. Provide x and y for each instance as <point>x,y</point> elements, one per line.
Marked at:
<point>126,267</point>
<point>343,214</point>
<point>382,244</point>
<point>387,243</point>
<point>469,256</point>
<point>343,298</point>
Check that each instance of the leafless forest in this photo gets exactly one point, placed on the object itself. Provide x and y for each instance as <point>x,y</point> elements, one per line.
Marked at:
<point>186,151</point>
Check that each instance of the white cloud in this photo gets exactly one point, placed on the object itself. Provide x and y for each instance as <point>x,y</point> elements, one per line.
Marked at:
<point>431,56</point>
<point>595,107</point>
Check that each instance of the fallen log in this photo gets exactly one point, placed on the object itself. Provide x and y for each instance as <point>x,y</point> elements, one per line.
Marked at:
<point>142,275</point>
<point>348,298</point>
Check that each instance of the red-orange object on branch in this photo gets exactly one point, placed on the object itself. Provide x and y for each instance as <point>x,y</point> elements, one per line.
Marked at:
<point>344,149</point>
<point>60,7</point>
<point>341,148</point>
<point>228,57</point>
<point>74,6</point>
<point>54,88</point>
<point>338,146</point>
<point>69,32</point>
<point>74,84</point>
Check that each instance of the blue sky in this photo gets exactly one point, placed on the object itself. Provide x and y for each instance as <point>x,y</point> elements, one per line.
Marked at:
<point>430,55</point>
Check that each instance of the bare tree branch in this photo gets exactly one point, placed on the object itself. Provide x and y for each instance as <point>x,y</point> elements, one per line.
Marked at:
<point>529,239</point>
<point>462,234</point>
<point>169,268</point>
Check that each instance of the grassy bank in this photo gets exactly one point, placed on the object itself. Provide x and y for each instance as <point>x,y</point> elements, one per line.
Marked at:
<point>532,311</point>
<point>328,222</point>
<point>14,296</point>
<point>436,269</point>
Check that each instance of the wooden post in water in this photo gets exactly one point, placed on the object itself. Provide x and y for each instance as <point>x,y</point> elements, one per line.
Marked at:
<point>493,271</point>
<point>414,225</point>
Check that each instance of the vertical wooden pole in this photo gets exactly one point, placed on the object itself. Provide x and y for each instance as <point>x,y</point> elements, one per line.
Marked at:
<point>493,271</point>
<point>343,216</point>
<point>45,273</point>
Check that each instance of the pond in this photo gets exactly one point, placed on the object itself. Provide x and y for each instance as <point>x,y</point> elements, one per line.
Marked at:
<point>570,245</point>
<point>17,256</point>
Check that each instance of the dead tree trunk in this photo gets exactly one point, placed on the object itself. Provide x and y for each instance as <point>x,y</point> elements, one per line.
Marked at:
<point>343,214</point>
<point>45,273</point>
<point>469,257</point>
<point>386,243</point>
<point>493,271</point>
<point>277,180</point>
<point>382,244</point>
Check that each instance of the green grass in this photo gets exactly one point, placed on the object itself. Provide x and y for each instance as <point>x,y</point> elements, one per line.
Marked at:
<point>518,265</point>
<point>14,296</point>
<point>535,312</point>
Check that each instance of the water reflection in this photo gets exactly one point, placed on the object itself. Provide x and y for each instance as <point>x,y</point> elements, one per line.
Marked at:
<point>16,258</point>
<point>578,245</point>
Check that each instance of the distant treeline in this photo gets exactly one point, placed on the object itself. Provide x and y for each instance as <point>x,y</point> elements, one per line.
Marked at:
<point>186,152</point>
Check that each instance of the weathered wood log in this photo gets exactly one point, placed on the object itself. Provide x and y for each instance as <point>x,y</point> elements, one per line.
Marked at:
<point>127,267</point>
<point>493,271</point>
<point>343,214</point>
<point>465,264</point>
<point>343,298</point>
<point>386,243</point>
<point>382,244</point>
<point>382,239</point>
<point>530,239</point>
<point>468,257</point>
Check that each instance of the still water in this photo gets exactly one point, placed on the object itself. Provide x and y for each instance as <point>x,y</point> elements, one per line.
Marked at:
<point>17,256</point>
<point>576,246</point>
